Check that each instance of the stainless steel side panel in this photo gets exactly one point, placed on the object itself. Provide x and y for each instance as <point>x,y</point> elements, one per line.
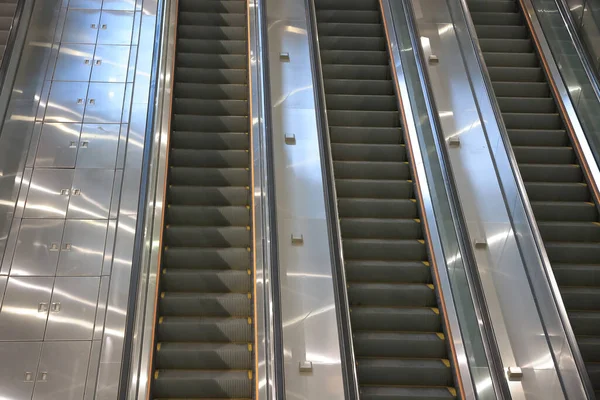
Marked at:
<point>310,331</point>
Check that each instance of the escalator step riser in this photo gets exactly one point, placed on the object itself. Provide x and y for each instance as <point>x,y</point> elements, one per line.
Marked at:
<point>352,43</point>
<point>237,159</point>
<point>209,176</point>
<point>214,6</point>
<point>231,47</point>
<point>557,191</point>
<point>396,319</point>
<point>210,107</point>
<point>207,19</point>
<point>504,74</point>
<point>506,45</point>
<point>211,76</point>
<point>348,16</point>
<point>577,274</point>
<point>371,170</point>
<point>584,253</point>
<point>522,60</point>
<point>387,119</point>
<point>526,105</point>
<point>544,155</point>
<point>207,258</point>
<point>191,329</point>
<point>203,356</point>
<point>532,121</point>
<point>496,18</point>
<point>393,271</point>
<point>406,393</point>
<point>354,57</point>
<point>551,173</point>
<point>205,305</point>
<point>371,152</point>
<point>585,322</point>
<point>206,140</point>
<point>209,196</point>
<point>492,6</point>
<point>358,87</point>
<point>339,134</point>
<point>569,231</point>
<point>365,5</point>
<point>553,211</point>
<point>210,123</point>
<point>374,189</point>
<point>381,229</point>
<point>377,208</point>
<point>590,348</point>
<point>404,345</point>
<point>362,72</point>
<point>538,137</point>
<point>199,236</point>
<point>211,32</point>
<point>207,60</point>
<point>208,216</point>
<point>202,384</point>
<point>217,281</point>
<point>501,32</point>
<point>208,91</point>
<point>391,295</point>
<point>361,102</point>
<point>363,249</point>
<point>581,298</point>
<point>404,372</point>
<point>521,89</point>
<point>365,30</point>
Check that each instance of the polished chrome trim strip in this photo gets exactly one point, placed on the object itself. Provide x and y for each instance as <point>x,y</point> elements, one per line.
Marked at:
<point>348,360</point>
<point>463,374</point>
<point>550,287</point>
<point>153,201</point>
<point>267,304</point>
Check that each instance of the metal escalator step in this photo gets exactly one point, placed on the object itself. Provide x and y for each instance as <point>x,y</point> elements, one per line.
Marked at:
<point>377,208</point>
<point>512,74</point>
<point>394,271</point>
<point>191,258</point>
<point>521,89</point>
<point>210,60</point>
<point>191,46</point>
<point>532,120</point>
<point>182,383</point>
<point>209,123</point>
<point>396,319</point>
<point>361,72</point>
<point>208,281</point>
<point>564,191</point>
<point>212,356</point>
<point>577,274</point>
<point>379,249</point>
<point>211,18</point>
<point>364,118</point>
<point>564,252</point>
<point>367,43</point>
<point>176,304</point>
<point>209,158</point>
<point>211,91</point>
<point>373,189</point>
<point>399,344</point>
<point>359,87</point>
<point>533,105</point>
<point>538,137</point>
<point>374,228</point>
<point>496,18</point>
<point>564,211</point>
<point>202,236</point>
<point>544,155</point>
<point>346,4</point>
<point>368,152</point>
<point>406,393</point>
<point>209,216</point>
<point>361,102</point>
<point>590,348</point>
<point>501,31</point>
<point>492,6</point>
<point>503,45</point>
<point>354,57</point>
<point>391,295</point>
<point>210,196</point>
<point>585,322</point>
<point>417,372</point>
<point>211,107</point>
<point>214,6</point>
<point>348,16</point>
<point>371,170</point>
<point>523,60</point>
<point>580,298</point>
<point>208,176</point>
<point>593,370</point>
<point>204,329</point>
<point>349,134</point>
<point>5,22</point>
<point>551,173</point>
<point>208,140</point>
<point>350,29</point>
<point>569,231</point>
<point>211,32</point>
<point>211,76</point>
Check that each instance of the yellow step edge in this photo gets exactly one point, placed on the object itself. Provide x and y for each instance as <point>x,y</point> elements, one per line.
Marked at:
<point>446,362</point>
<point>430,286</point>
<point>426,263</point>
<point>452,391</point>
<point>440,335</point>
<point>436,310</point>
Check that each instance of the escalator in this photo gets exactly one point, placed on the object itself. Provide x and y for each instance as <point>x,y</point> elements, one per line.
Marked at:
<point>7,14</point>
<point>204,335</point>
<point>562,201</point>
<point>400,347</point>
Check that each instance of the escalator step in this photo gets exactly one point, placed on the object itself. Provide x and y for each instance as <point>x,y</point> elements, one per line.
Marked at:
<point>395,319</point>
<point>551,173</point>
<point>401,371</point>
<point>377,208</point>
<point>194,383</point>
<point>380,249</point>
<point>347,134</point>
<point>370,188</point>
<point>209,216</point>
<point>208,281</point>
<point>391,295</point>
<point>204,329</point>
<point>211,18</point>
<point>393,271</point>
<point>371,170</point>
<point>175,304</point>
<point>207,140</point>
<point>544,155</point>
<point>577,274</point>
<point>564,211</point>
<point>381,228</point>
<point>406,393</point>
<point>202,236</point>
<point>399,344</point>
<point>193,258</point>
<point>204,356</point>
<point>585,323</point>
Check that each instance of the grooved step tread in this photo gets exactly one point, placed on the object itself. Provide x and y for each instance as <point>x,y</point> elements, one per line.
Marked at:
<point>400,350</point>
<point>560,198</point>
